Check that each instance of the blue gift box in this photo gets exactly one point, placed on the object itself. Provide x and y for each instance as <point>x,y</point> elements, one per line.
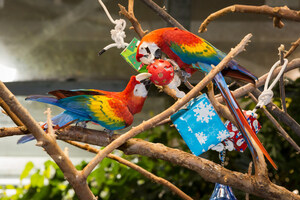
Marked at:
<point>199,125</point>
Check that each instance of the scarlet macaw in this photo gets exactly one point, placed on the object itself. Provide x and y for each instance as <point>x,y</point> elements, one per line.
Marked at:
<point>193,53</point>
<point>112,110</point>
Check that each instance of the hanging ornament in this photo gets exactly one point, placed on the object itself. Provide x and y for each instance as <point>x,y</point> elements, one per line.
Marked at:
<point>236,140</point>
<point>222,192</point>
<point>162,72</point>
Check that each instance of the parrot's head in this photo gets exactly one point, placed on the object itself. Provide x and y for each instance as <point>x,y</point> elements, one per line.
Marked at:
<point>147,52</point>
<point>137,91</point>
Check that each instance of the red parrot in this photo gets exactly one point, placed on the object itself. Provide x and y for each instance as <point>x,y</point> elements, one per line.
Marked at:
<point>192,53</point>
<point>112,110</point>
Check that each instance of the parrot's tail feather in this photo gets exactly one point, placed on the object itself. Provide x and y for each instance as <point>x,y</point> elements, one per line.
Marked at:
<point>240,118</point>
<point>25,139</point>
<point>43,99</point>
<point>59,121</point>
<point>234,70</point>
<point>253,135</point>
<point>62,120</point>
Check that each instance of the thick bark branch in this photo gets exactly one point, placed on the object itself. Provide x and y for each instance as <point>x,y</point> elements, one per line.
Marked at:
<point>209,170</point>
<point>277,12</point>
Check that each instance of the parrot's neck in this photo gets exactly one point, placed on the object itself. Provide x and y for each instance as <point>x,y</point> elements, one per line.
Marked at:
<point>135,104</point>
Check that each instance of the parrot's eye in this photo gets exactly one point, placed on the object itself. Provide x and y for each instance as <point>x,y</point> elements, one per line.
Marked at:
<point>157,54</point>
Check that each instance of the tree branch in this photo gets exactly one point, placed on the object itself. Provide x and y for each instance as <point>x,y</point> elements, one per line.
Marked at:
<point>209,170</point>
<point>277,12</point>
<point>282,116</point>
<point>281,80</point>
<point>135,167</point>
<point>167,113</point>
<point>12,115</point>
<point>130,16</point>
<point>163,14</point>
<point>242,91</point>
<point>220,108</point>
<point>78,183</point>
<point>293,48</point>
<point>282,132</point>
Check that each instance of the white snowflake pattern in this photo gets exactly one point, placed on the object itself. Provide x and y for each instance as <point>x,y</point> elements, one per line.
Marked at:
<point>201,137</point>
<point>204,112</point>
<point>183,119</point>
<point>222,135</point>
<point>190,130</point>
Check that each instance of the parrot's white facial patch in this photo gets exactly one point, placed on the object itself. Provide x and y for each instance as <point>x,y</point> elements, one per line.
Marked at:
<point>148,51</point>
<point>140,90</point>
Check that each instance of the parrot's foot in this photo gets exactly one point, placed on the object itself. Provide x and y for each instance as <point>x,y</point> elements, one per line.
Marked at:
<point>185,75</point>
<point>110,132</point>
<point>174,84</point>
<point>81,124</point>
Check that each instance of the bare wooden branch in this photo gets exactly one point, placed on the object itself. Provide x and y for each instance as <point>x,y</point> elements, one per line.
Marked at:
<point>282,132</point>
<point>135,167</point>
<point>272,108</point>
<point>209,170</point>
<point>163,14</point>
<point>12,115</point>
<point>74,178</point>
<point>242,91</point>
<point>281,80</point>
<point>130,16</point>
<point>293,48</point>
<point>282,116</point>
<point>167,113</point>
<point>277,12</point>
<point>221,109</point>
<point>277,22</point>
<point>249,173</point>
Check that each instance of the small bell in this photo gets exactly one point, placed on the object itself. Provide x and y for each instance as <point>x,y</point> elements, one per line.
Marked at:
<point>222,192</point>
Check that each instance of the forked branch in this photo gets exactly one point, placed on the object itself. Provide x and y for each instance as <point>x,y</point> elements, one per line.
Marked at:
<point>276,12</point>
<point>135,167</point>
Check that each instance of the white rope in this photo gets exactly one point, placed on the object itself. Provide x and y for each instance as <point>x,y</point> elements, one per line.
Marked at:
<point>266,96</point>
<point>118,33</point>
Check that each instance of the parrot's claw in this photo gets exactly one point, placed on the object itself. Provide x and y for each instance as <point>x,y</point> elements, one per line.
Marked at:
<point>81,124</point>
<point>110,132</point>
<point>174,84</point>
<point>185,75</point>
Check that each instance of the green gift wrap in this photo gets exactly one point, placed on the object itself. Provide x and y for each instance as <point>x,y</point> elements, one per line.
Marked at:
<point>129,54</point>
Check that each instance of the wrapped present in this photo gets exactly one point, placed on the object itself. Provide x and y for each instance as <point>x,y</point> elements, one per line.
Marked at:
<point>199,125</point>
<point>129,54</point>
<point>236,140</point>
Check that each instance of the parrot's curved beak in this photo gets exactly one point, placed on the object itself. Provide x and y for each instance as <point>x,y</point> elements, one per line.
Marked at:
<point>142,76</point>
<point>144,79</point>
